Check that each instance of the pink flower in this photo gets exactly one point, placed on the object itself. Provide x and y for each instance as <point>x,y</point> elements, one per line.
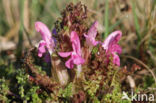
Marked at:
<point>47,43</point>
<point>75,54</point>
<point>111,46</point>
<point>90,37</point>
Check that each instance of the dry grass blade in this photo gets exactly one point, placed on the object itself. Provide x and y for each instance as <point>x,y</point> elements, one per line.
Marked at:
<point>95,12</point>
<point>7,8</point>
<point>13,32</point>
<point>26,14</point>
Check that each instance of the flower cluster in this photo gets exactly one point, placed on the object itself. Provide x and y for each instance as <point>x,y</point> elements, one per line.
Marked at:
<point>112,47</point>
<point>110,44</point>
<point>47,42</point>
<point>75,54</point>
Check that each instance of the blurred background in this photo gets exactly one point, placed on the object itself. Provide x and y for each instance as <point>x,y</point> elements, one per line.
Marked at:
<point>136,19</point>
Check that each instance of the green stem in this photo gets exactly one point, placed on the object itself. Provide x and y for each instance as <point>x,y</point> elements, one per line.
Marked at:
<point>106,18</point>
<point>111,28</point>
<point>20,36</point>
<point>114,76</point>
<point>136,23</point>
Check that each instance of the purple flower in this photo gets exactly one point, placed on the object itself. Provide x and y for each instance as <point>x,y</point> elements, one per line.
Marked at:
<point>75,54</point>
<point>90,37</point>
<point>47,42</point>
<point>111,46</point>
<point>54,31</point>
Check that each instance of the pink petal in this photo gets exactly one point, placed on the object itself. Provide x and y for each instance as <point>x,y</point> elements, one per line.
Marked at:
<point>78,60</point>
<point>45,32</point>
<point>51,46</point>
<point>74,38</point>
<point>86,36</point>
<point>113,38</point>
<point>93,30</point>
<point>116,48</point>
<point>41,48</point>
<point>90,37</point>
<point>94,43</point>
<point>91,41</point>
<point>116,59</point>
<point>69,64</point>
<point>64,54</point>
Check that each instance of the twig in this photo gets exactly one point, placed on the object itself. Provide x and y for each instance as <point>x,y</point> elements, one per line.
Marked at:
<point>151,55</point>
<point>42,80</point>
<point>144,65</point>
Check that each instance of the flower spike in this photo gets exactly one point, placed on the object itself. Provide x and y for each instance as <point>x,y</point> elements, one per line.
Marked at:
<point>47,42</point>
<point>75,54</point>
<point>91,35</point>
<point>111,46</point>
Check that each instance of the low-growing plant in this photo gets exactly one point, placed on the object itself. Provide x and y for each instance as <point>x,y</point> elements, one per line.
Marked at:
<point>73,63</point>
